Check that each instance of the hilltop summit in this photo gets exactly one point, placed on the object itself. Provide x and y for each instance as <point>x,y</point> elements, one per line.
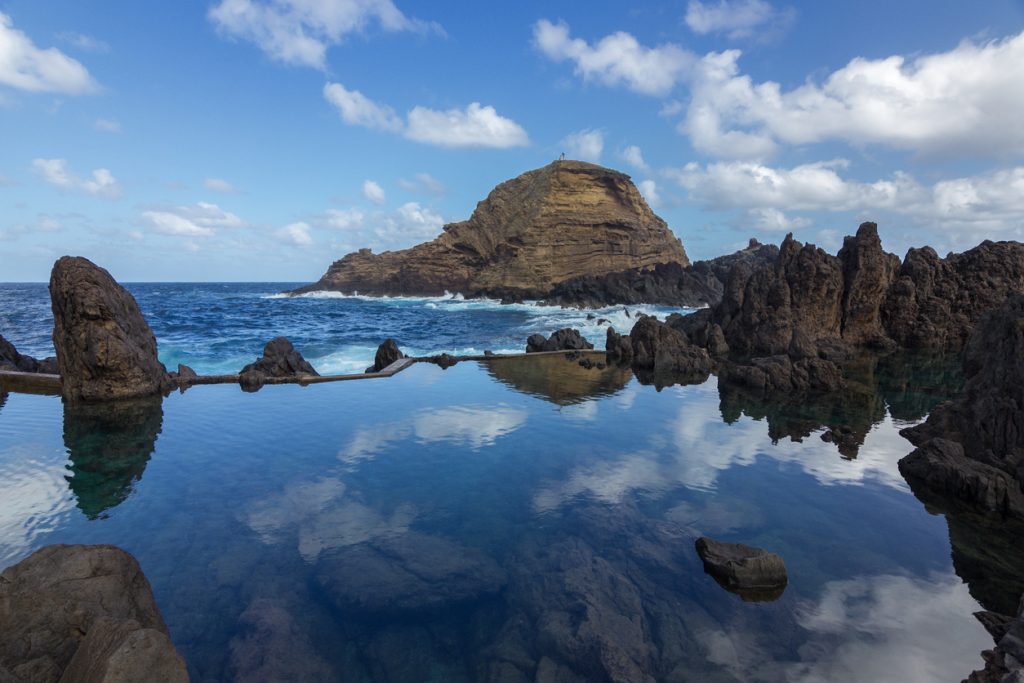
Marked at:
<point>566,220</point>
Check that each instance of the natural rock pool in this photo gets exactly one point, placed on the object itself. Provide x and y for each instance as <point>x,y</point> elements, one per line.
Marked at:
<point>517,520</point>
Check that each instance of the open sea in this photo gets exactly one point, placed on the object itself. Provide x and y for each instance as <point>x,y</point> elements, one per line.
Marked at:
<point>509,520</point>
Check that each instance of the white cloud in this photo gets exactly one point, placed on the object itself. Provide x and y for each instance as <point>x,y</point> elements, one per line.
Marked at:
<point>219,185</point>
<point>343,219</point>
<point>107,125</point>
<point>358,110</point>
<point>989,204</point>
<point>584,144</point>
<point>474,126</point>
<point>299,32</point>
<point>44,223</point>
<point>55,171</point>
<point>199,220</point>
<point>409,224</point>
<point>27,67</point>
<point>964,101</point>
<point>649,189</point>
<point>616,59</point>
<point>735,18</point>
<point>634,157</point>
<point>297,234</point>
<point>373,192</point>
<point>423,182</point>
<point>83,42</point>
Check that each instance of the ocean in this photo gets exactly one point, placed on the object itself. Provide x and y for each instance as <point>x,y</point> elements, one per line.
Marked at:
<point>217,328</point>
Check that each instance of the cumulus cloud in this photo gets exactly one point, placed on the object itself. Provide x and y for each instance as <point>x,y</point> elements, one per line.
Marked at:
<point>358,110</point>
<point>297,234</point>
<point>197,220</point>
<point>616,59</point>
<point>219,185</point>
<point>26,67</point>
<point>584,144</point>
<point>107,125</point>
<point>343,219</point>
<point>373,192</point>
<point>736,18</point>
<point>988,204</point>
<point>298,32</point>
<point>408,224</point>
<point>649,189</point>
<point>474,126</point>
<point>424,183</point>
<point>965,101</point>
<point>634,157</point>
<point>56,172</point>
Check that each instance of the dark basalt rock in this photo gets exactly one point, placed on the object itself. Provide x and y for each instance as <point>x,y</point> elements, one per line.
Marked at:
<point>85,613</point>
<point>13,361</point>
<point>566,339</point>
<point>442,360</point>
<point>618,349</point>
<point>280,359</point>
<point>105,349</point>
<point>754,574</point>
<point>698,284</point>
<point>973,447</point>
<point>659,348</point>
<point>1005,663</point>
<point>387,353</point>
<point>781,373</point>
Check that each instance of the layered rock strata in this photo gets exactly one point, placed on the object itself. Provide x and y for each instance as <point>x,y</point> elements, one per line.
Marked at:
<point>83,613</point>
<point>567,220</point>
<point>105,348</point>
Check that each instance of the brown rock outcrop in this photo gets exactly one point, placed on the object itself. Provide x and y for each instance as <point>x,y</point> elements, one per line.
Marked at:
<point>566,220</point>
<point>973,448</point>
<point>84,612</point>
<point>13,361</point>
<point>566,339</point>
<point>387,353</point>
<point>279,359</point>
<point>105,349</point>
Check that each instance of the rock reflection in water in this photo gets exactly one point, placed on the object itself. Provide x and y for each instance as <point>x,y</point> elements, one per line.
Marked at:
<point>109,445</point>
<point>907,385</point>
<point>558,379</point>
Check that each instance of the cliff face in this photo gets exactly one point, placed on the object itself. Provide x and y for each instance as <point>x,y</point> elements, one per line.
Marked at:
<point>566,220</point>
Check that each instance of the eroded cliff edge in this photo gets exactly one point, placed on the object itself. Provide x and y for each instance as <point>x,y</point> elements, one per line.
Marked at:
<point>567,220</point>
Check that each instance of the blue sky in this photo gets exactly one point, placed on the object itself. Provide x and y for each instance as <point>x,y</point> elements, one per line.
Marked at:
<point>262,139</point>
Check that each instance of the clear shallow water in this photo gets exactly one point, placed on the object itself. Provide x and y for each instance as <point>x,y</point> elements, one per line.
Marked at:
<point>507,519</point>
<point>218,328</point>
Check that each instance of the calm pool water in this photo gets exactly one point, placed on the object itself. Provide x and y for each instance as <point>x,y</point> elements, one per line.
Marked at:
<point>512,521</point>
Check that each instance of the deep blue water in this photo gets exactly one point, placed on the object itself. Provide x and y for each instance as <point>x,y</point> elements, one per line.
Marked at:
<point>220,327</point>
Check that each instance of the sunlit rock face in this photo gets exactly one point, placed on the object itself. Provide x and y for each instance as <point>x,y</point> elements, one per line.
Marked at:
<point>566,220</point>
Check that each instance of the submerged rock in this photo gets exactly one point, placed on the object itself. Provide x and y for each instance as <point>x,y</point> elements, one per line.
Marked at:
<point>84,612</point>
<point>387,353</point>
<point>566,339</point>
<point>105,349</point>
<point>568,219</point>
<point>752,573</point>
<point>13,361</point>
<point>280,359</point>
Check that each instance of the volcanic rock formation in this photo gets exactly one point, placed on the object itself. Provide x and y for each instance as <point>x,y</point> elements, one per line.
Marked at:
<point>279,359</point>
<point>13,361</point>
<point>972,449</point>
<point>82,613</point>
<point>567,220</point>
<point>105,349</point>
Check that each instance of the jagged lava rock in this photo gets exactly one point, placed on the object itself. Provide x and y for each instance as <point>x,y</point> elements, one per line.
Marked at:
<point>662,349</point>
<point>84,611</point>
<point>105,349</point>
<point>280,359</point>
<point>13,361</point>
<point>387,353</point>
<point>973,447</point>
<point>566,220</point>
<point>566,339</point>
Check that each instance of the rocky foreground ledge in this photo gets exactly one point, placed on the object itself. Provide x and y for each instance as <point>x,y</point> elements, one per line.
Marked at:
<point>83,613</point>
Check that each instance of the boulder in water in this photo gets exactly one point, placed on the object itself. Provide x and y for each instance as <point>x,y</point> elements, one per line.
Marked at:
<point>280,359</point>
<point>566,339</point>
<point>105,349</point>
<point>387,353</point>
<point>753,573</point>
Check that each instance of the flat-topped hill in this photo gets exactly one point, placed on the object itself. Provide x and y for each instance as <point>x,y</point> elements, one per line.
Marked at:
<point>566,220</point>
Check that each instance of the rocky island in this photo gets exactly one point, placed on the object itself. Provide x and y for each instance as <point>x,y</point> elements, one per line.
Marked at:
<point>567,220</point>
